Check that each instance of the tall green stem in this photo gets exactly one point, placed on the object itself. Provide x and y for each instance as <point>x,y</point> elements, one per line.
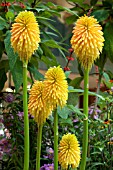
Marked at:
<point>85,122</point>
<point>55,140</point>
<point>26,120</point>
<point>39,139</point>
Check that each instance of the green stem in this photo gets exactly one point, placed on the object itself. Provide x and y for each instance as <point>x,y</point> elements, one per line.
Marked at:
<point>26,120</point>
<point>39,140</point>
<point>55,140</point>
<point>85,122</point>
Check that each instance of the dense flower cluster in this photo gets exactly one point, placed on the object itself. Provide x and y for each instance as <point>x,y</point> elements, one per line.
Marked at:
<point>38,107</point>
<point>87,40</point>
<point>69,151</point>
<point>56,87</point>
<point>46,95</point>
<point>25,36</point>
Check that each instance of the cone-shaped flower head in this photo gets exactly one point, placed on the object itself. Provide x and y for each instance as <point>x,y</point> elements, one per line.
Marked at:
<point>87,40</point>
<point>56,86</point>
<point>38,106</point>
<point>25,36</point>
<point>69,151</point>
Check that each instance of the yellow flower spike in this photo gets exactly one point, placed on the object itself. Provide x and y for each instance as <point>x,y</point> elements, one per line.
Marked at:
<point>38,106</point>
<point>56,87</point>
<point>69,151</point>
<point>25,35</point>
<point>87,40</point>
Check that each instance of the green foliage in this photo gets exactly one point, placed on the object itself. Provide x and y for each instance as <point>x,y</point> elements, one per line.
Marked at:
<point>63,112</point>
<point>76,82</point>
<point>71,116</point>
<point>17,74</point>
<point>100,62</point>
<point>93,2</point>
<point>12,56</point>
<point>109,40</point>
<point>14,63</point>
<point>3,78</point>
<point>10,15</point>
<point>101,14</point>
<point>3,23</point>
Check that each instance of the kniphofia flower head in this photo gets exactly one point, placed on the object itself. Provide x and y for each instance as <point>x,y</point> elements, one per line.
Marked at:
<point>69,151</point>
<point>38,106</point>
<point>25,35</point>
<point>87,40</point>
<point>56,87</point>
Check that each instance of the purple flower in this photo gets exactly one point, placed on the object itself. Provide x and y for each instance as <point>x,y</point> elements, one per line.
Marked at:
<point>50,153</point>
<point>94,112</point>
<point>5,147</point>
<point>76,126</point>
<point>9,98</point>
<point>112,89</point>
<point>95,116</point>
<point>20,114</point>
<point>47,167</point>
<point>75,120</point>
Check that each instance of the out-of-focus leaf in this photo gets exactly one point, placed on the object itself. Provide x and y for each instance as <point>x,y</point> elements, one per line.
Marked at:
<point>48,57</point>
<point>50,4</point>
<point>47,52</point>
<point>76,82</point>
<point>100,62</point>
<point>73,98</point>
<point>17,74</point>
<point>63,112</point>
<point>4,64</point>
<point>67,10</point>
<point>107,3</point>
<point>106,76</point>
<point>75,110</point>
<point>34,61</point>
<point>67,73</point>
<point>35,9</point>
<point>48,62</point>
<point>97,164</point>
<point>108,44</point>
<point>77,1</point>
<point>93,2</point>
<point>3,78</point>
<point>44,18</point>
<point>1,48</point>
<point>9,15</point>
<point>37,75</point>
<point>12,56</point>
<point>48,25</point>
<point>71,90</point>
<point>67,121</point>
<point>71,19</point>
<point>53,44</point>
<point>3,23</point>
<point>80,69</point>
<point>101,14</point>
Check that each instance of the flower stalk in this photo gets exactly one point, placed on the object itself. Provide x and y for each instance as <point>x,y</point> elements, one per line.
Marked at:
<point>55,140</point>
<point>26,120</point>
<point>39,139</point>
<point>85,122</point>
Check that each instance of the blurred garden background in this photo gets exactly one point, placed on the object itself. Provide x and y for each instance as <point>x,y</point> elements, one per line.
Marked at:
<point>56,19</point>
